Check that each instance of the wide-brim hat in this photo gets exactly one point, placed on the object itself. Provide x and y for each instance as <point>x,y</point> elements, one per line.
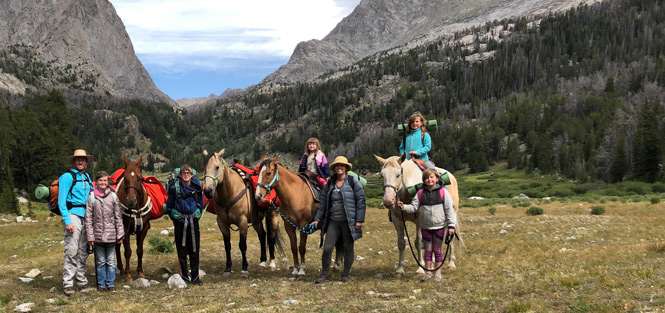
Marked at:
<point>341,160</point>
<point>80,153</point>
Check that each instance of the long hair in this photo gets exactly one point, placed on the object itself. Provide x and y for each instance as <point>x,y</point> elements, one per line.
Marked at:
<point>423,127</point>
<point>312,140</point>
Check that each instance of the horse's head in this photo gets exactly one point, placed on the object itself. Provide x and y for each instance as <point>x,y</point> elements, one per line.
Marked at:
<point>268,178</point>
<point>397,174</point>
<point>214,166</point>
<point>132,183</point>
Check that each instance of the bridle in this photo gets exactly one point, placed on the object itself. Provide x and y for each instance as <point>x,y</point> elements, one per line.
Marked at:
<point>275,179</point>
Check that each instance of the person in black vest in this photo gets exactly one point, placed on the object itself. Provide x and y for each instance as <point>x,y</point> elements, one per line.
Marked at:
<point>184,205</point>
<point>342,213</point>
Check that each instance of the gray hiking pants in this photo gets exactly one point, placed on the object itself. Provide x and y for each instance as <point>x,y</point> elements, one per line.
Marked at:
<point>75,253</point>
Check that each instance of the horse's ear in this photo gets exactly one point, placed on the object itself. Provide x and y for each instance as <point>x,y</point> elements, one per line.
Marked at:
<point>265,157</point>
<point>380,159</point>
<point>205,152</point>
<point>124,158</point>
<point>402,158</point>
<point>275,159</point>
<point>140,161</point>
<point>221,152</point>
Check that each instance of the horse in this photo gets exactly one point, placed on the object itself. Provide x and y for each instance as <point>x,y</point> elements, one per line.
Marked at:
<point>136,206</point>
<point>398,174</point>
<point>235,205</point>
<point>298,206</point>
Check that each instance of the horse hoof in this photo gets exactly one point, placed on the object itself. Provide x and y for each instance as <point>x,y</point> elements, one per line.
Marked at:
<point>262,264</point>
<point>272,268</point>
<point>451,266</point>
<point>398,275</point>
<point>226,274</point>
<point>244,273</point>
<point>420,271</point>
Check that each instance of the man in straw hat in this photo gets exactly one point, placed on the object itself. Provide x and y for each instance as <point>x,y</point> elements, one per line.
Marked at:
<point>72,210</point>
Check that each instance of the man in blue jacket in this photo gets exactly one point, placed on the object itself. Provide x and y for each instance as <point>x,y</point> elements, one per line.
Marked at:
<point>72,210</point>
<point>184,207</point>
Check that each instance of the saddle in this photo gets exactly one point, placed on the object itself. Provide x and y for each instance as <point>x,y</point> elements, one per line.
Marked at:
<point>312,182</point>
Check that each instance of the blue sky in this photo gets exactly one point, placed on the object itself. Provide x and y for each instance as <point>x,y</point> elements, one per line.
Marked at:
<point>193,48</point>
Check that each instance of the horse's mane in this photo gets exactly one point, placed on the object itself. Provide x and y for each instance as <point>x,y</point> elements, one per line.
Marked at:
<point>207,159</point>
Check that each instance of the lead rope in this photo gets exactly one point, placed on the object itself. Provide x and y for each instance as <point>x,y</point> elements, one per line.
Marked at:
<point>448,239</point>
<point>307,230</point>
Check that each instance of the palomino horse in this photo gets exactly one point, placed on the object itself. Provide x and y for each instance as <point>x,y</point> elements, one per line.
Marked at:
<point>399,174</point>
<point>136,206</point>
<point>235,205</point>
<point>297,205</point>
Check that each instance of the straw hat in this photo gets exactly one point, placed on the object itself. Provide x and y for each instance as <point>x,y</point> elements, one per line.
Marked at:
<point>80,153</point>
<point>341,160</point>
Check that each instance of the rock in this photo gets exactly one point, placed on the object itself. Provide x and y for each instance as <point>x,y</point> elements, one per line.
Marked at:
<point>13,256</point>
<point>253,286</point>
<point>521,196</point>
<point>28,219</point>
<point>126,287</point>
<point>19,219</point>
<point>33,273</point>
<point>380,253</point>
<point>547,198</point>
<point>476,198</point>
<point>22,200</point>
<point>290,302</point>
<point>53,290</point>
<point>51,300</point>
<point>141,283</point>
<point>48,278</point>
<point>417,291</point>
<point>379,275</point>
<point>164,232</point>
<point>506,225</point>
<point>201,273</point>
<point>25,307</point>
<point>25,279</point>
<point>503,232</point>
<point>359,258</point>
<point>175,281</point>
<point>165,275</point>
<point>166,270</point>
<point>154,282</point>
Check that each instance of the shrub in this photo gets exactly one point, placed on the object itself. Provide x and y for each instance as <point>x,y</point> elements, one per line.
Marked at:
<point>581,189</point>
<point>532,211</point>
<point>562,192</point>
<point>160,245</point>
<point>491,210</point>
<point>638,188</point>
<point>658,187</point>
<point>597,210</point>
<point>654,200</point>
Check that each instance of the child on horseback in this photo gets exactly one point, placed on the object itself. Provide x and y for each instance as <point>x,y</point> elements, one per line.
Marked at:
<point>103,227</point>
<point>417,141</point>
<point>184,206</point>
<point>436,213</point>
<point>314,160</point>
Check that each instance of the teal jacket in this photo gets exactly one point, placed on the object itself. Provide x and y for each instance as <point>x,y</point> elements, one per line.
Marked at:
<point>79,196</point>
<point>416,142</point>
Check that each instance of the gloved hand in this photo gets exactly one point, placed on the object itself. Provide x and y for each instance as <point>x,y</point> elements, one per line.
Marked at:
<point>175,214</point>
<point>197,214</point>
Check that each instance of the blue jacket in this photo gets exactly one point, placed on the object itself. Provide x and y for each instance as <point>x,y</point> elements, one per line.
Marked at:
<point>416,142</point>
<point>77,198</point>
<point>189,200</point>
<point>353,197</point>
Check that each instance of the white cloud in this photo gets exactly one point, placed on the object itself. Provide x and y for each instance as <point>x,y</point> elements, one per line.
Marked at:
<point>177,35</point>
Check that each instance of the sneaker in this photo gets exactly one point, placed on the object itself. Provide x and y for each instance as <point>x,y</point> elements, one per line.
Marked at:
<point>437,277</point>
<point>426,276</point>
<point>82,287</point>
<point>101,289</point>
<point>69,291</point>
<point>345,278</point>
<point>197,282</point>
<point>322,279</point>
<point>111,289</point>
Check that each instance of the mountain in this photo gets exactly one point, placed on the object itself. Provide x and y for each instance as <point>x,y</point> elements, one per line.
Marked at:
<point>378,25</point>
<point>70,44</point>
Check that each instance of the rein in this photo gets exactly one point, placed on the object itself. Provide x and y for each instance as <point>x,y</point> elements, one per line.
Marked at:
<point>136,215</point>
<point>307,230</point>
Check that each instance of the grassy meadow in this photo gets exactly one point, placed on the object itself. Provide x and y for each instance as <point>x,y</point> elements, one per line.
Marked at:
<point>565,260</point>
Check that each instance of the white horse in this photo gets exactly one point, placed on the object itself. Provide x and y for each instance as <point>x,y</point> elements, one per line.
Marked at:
<point>398,175</point>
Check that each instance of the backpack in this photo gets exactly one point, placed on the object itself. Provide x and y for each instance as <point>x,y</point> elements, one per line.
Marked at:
<point>54,188</point>
<point>442,192</point>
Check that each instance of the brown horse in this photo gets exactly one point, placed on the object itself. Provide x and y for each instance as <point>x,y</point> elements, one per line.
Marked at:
<point>135,204</point>
<point>235,205</point>
<point>398,175</point>
<point>297,205</point>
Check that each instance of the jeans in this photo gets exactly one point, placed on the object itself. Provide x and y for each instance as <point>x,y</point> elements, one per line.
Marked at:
<point>105,264</point>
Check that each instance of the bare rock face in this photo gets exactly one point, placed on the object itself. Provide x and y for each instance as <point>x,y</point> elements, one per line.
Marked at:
<point>84,38</point>
<point>378,25</point>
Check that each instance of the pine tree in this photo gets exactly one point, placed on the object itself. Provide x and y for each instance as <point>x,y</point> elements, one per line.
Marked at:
<point>619,163</point>
<point>646,149</point>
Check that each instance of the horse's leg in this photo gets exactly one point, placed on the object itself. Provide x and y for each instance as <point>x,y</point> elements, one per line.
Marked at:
<point>272,225</point>
<point>118,259</point>
<point>453,246</point>
<point>242,244</point>
<point>419,248</point>
<point>261,232</point>
<point>303,249</point>
<point>339,255</point>
<point>226,233</point>
<point>128,254</point>
<point>139,248</point>
<point>401,244</point>
<point>291,231</point>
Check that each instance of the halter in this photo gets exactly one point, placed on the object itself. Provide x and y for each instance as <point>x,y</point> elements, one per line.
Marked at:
<point>268,187</point>
<point>214,178</point>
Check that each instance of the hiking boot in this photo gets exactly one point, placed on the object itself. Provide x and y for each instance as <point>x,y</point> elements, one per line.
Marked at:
<point>82,287</point>
<point>322,279</point>
<point>69,291</point>
<point>197,282</point>
<point>111,289</point>
<point>101,289</point>
<point>426,276</point>
<point>437,277</point>
<point>345,278</point>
